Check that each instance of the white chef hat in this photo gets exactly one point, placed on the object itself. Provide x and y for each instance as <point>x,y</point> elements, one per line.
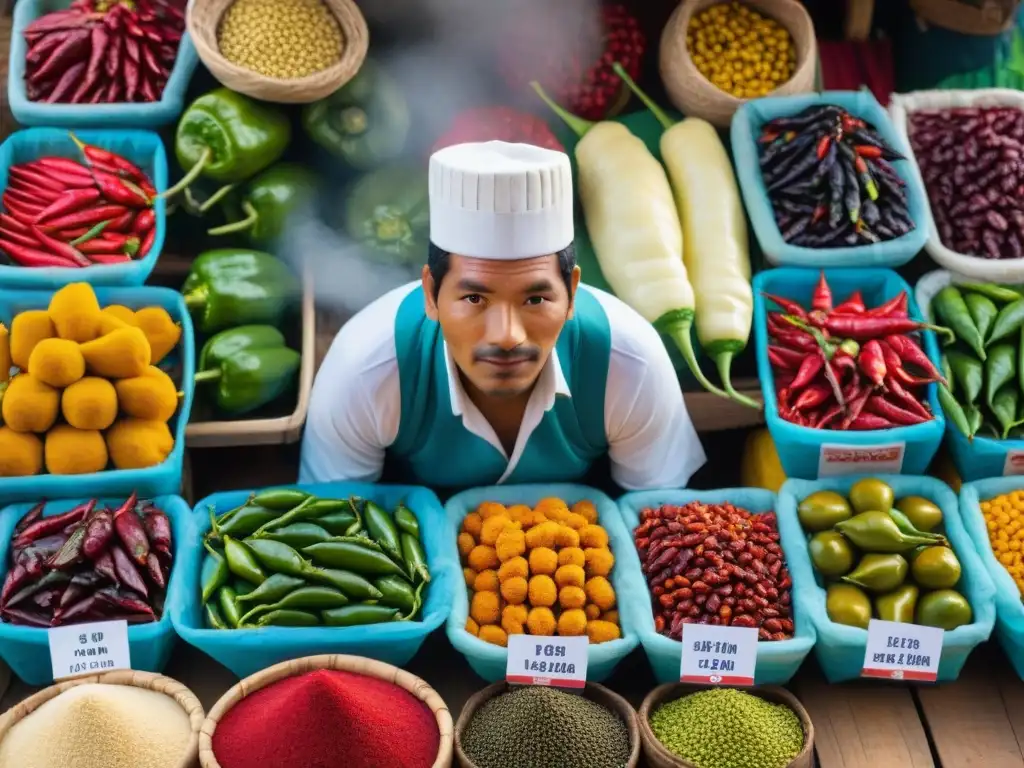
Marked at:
<point>495,200</point>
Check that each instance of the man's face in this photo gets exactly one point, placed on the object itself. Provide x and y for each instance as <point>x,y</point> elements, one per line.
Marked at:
<point>501,319</point>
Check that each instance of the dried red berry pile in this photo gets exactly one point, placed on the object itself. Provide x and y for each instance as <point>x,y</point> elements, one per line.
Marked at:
<point>573,61</point>
<point>498,124</point>
<point>103,51</point>
<point>715,564</point>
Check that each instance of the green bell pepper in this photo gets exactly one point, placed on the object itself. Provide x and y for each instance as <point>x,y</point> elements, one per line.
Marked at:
<point>223,345</point>
<point>387,213</point>
<point>365,122</point>
<point>251,378</point>
<point>267,202</point>
<point>228,138</point>
<point>228,287</point>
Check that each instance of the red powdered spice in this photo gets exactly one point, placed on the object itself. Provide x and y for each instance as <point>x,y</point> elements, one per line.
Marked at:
<point>328,719</point>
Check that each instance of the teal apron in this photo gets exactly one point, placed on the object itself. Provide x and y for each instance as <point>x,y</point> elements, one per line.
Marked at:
<point>435,449</point>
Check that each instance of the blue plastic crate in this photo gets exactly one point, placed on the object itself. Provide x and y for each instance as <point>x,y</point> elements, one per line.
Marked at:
<point>144,148</point>
<point>1009,609</point>
<point>799,447</point>
<point>777,662</point>
<point>246,651</point>
<point>746,127</point>
<point>27,649</point>
<point>488,660</point>
<point>839,648</point>
<point>161,480</point>
<point>126,115</point>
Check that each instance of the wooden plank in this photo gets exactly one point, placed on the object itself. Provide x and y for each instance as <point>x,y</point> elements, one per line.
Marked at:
<point>967,720</point>
<point>1011,688</point>
<point>863,724</point>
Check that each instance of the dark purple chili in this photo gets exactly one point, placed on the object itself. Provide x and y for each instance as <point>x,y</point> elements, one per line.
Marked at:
<point>54,524</point>
<point>126,571</point>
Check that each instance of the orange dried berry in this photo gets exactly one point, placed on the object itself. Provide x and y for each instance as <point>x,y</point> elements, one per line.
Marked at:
<point>472,523</point>
<point>486,581</point>
<point>466,544</point>
<point>490,509</point>
<point>469,576</point>
<point>587,509</point>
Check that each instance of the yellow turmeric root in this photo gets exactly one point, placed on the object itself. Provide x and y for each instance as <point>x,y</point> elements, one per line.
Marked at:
<point>120,354</point>
<point>161,330</point>
<point>139,443</point>
<point>27,329</point>
<point>57,362</point>
<point>149,396</point>
<point>90,403</point>
<point>71,451</point>
<point>29,405</point>
<point>75,312</point>
<point>21,453</point>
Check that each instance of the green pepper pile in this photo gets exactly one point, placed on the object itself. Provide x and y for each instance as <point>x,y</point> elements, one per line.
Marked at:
<point>984,368</point>
<point>287,558</point>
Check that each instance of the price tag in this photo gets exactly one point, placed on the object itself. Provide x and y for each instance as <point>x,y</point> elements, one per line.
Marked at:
<point>718,655</point>
<point>898,651</point>
<point>88,649</point>
<point>556,661</point>
<point>835,460</point>
<point>1014,464</point>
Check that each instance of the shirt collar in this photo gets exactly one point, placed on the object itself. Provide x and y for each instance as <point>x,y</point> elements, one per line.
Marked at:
<point>550,384</point>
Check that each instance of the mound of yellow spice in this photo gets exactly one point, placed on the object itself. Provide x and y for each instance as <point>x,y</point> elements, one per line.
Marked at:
<point>539,571</point>
<point>87,392</point>
<point>1004,520</point>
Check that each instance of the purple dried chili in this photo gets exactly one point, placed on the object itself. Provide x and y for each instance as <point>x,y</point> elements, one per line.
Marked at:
<point>155,570</point>
<point>125,602</point>
<point>98,534</point>
<point>53,524</point>
<point>29,517</point>
<point>104,565</point>
<point>158,528</point>
<point>24,618</point>
<point>126,571</point>
<point>130,531</point>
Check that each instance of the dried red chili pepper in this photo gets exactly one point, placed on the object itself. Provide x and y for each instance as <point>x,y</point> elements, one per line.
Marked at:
<point>130,531</point>
<point>118,599</point>
<point>910,352</point>
<point>880,406</point>
<point>855,407</point>
<point>822,148</point>
<point>71,553</point>
<point>54,524</point>
<point>906,399</point>
<point>870,421</point>
<point>33,514</point>
<point>809,369</point>
<point>822,297</point>
<point>813,396</point>
<point>126,571</point>
<point>98,534</point>
<point>158,528</point>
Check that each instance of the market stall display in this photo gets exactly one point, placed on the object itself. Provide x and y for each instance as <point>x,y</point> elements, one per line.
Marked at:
<point>502,727</point>
<point>839,512</point>
<point>324,702</point>
<point>719,585</point>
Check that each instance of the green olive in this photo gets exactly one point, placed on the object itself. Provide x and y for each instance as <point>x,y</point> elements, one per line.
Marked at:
<point>831,554</point>
<point>944,608</point>
<point>936,568</point>
<point>923,513</point>
<point>848,605</point>
<point>871,495</point>
<point>821,510</point>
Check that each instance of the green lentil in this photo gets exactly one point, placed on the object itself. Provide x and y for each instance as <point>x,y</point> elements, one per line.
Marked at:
<point>545,728</point>
<point>726,728</point>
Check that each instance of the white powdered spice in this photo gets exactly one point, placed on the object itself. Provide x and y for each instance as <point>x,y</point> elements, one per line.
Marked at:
<point>100,726</point>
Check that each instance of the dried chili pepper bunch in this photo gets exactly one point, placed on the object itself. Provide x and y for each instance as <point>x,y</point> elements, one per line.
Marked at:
<point>103,51</point>
<point>498,124</point>
<point>59,212</point>
<point>570,49</point>
<point>831,181</point>
<point>715,564</point>
<point>972,162</point>
<point>846,366</point>
<point>88,564</point>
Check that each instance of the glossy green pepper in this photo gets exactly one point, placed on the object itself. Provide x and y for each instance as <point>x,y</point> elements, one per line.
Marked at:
<point>241,561</point>
<point>1008,322</point>
<point>387,213</point>
<point>407,521</point>
<point>223,345</point>
<point>354,554</point>
<point>250,377</point>
<point>983,312</point>
<point>352,584</point>
<point>968,374</point>
<point>281,499</point>
<point>297,535</point>
<point>415,558</point>
<point>287,619</point>
<point>228,138</point>
<point>227,602</point>
<point>365,122</point>
<point>952,311</point>
<point>382,529</point>
<point>215,573</point>
<point>1000,368</point>
<point>213,618</point>
<point>353,615</point>
<point>267,202</point>
<point>339,523</point>
<point>875,531</point>
<point>273,589</point>
<point>245,521</point>
<point>228,287</point>
<point>398,593</point>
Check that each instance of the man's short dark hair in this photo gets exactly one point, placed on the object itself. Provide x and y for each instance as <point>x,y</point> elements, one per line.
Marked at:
<point>439,262</point>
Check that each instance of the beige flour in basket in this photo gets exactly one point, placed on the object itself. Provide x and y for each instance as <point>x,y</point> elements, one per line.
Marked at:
<point>100,726</point>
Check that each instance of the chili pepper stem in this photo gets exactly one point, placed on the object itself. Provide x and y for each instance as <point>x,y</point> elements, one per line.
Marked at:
<point>724,363</point>
<point>213,374</point>
<point>196,298</point>
<point>659,114</point>
<point>578,125</point>
<point>216,197</point>
<point>251,217</point>
<point>189,177</point>
<point>679,330</point>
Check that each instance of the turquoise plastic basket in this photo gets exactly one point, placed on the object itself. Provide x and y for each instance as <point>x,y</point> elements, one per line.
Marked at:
<point>799,447</point>
<point>746,127</point>
<point>247,651</point>
<point>777,662</point>
<point>1009,609</point>
<point>144,148</point>
<point>161,480</point>
<point>489,661</point>
<point>839,648</point>
<point>127,115</point>
<point>27,649</point>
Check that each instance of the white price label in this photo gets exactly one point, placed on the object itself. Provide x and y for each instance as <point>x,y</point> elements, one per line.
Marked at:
<point>88,649</point>
<point>898,651</point>
<point>1014,464</point>
<point>718,655</point>
<point>835,460</point>
<point>554,661</point>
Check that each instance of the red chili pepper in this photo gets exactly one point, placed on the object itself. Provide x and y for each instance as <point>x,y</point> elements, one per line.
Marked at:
<point>822,298</point>
<point>856,405</point>
<point>107,159</point>
<point>69,202</point>
<point>812,397</point>
<point>788,306</point>
<point>113,242</point>
<point>130,531</point>
<point>828,417</point>
<point>88,217</point>
<point>50,180</point>
<point>823,144</point>
<point>11,224</point>
<point>868,151</point>
<point>62,164</point>
<point>871,362</point>
<point>118,190</point>
<point>122,223</point>
<point>158,528</point>
<point>14,202</point>
<point>787,359</point>
<point>854,304</point>
<point>43,195</point>
<point>843,364</point>
<point>910,352</point>
<point>144,222</point>
<point>109,258</point>
<point>879,406</point>
<point>867,422</point>
<point>32,257</point>
<point>794,339</point>
<point>19,238</point>
<point>27,199</point>
<point>147,244</point>
<point>809,369</point>
<point>35,513</point>
<point>98,533</point>
<point>59,247</point>
<point>863,328</point>
<point>126,570</point>
<point>768,137</point>
<point>905,398</point>
<point>894,307</point>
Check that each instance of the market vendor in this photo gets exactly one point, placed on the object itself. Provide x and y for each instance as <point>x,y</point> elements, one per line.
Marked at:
<point>499,367</point>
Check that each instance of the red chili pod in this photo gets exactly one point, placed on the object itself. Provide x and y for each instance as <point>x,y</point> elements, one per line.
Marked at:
<point>126,570</point>
<point>35,513</point>
<point>109,258</point>
<point>31,257</point>
<point>130,531</point>
<point>98,533</point>
<point>147,244</point>
<point>71,201</point>
<point>104,565</point>
<point>54,524</point>
<point>158,528</point>
<point>118,190</point>
<point>144,222</point>
<point>155,571</point>
<point>59,247</point>
<point>89,217</point>
<point>122,223</point>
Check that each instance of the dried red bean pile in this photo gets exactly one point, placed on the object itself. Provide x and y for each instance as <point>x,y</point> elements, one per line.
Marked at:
<point>715,564</point>
<point>972,161</point>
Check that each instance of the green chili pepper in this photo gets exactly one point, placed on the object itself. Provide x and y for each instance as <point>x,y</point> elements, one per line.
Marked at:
<point>281,499</point>
<point>407,521</point>
<point>1020,358</point>
<point>287,619</point>
<point>1004,408</point>
<point>992,290</point>
<point>397,592</point>
<point>354,615</point>
<point>297,535</point>
<point>273,589</point>
<point>983,312</point>
<point>415,558</point>
<point>296,514</point>
<point>242,562</point>
<point>954,411</point>
<point>213,618</point>
<point>382,529</point>
<point>339,523</point>
<point>969,375</point>
<point>975,418</point>
<point>353,555</point>
<point>417,603</point>
<point>1000,368</point>
<point>243,587</point>
<point>226,600</point>
<point>1008,321</point>
<point>215,573</point>
<point>331,506</point>
<point>951,310</point>
<point>279,557</point>
<point>947,373</point>
<point>247,520</point>
<point>314,597</point>
<point>352,584</point>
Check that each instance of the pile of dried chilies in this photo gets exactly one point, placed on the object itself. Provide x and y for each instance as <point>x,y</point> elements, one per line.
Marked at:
<point>90,563</point>
<point>830,179</point>
<point>847,366</point>
<point>103,51</point>
<point>59,212</point>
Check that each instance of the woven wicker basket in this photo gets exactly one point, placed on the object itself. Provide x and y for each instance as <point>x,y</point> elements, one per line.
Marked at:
<point>989,17</point>
<point>204,20</point>
<point>659,757</point>
<point>695,96</point>
<point>595,692</point>
<point>357,664</point>
<point>153,682</point>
